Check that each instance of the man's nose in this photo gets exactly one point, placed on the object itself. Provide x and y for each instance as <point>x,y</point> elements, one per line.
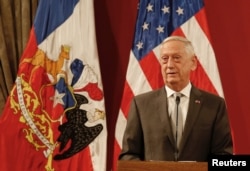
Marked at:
<point>170,62</point>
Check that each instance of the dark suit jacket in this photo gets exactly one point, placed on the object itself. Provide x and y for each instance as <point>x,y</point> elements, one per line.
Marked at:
<point>148,135</point>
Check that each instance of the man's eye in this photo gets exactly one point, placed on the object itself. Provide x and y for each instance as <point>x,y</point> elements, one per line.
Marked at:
<point>176,58</point>
<point>164,58</point>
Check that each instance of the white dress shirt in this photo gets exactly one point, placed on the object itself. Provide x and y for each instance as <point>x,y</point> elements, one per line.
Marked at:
<point>184,101</point>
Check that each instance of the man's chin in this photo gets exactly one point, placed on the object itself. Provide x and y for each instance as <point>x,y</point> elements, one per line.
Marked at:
<point>172,81</point>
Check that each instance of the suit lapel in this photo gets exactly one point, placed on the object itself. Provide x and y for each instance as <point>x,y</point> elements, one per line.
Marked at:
<point>164,115</point>
<point>195,103</point>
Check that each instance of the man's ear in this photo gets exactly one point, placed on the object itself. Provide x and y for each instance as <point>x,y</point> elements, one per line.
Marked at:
<point>194,61</point>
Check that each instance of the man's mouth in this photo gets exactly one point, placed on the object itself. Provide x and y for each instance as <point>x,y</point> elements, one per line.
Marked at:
<point>171,73</point>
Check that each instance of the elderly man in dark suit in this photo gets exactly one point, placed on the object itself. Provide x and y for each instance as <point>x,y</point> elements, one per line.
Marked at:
<point>154,131</point>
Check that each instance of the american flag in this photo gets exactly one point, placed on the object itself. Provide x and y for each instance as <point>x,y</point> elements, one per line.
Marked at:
<point>156,21</point>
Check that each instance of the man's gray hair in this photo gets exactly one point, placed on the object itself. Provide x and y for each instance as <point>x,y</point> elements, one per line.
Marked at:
<point>187,43</point>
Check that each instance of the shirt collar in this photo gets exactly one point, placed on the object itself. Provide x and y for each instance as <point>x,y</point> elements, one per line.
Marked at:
<point>185,91</point>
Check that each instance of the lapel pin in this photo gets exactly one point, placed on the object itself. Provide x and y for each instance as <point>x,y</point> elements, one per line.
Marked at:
<point>197,101</point>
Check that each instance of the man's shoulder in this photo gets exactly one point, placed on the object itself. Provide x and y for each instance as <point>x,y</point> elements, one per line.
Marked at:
<point>206,94</point>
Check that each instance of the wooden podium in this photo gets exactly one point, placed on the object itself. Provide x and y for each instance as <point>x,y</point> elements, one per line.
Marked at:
<point>161,166</point>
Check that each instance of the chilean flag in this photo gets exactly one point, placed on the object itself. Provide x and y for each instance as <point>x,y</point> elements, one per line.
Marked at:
<point>54,118</point>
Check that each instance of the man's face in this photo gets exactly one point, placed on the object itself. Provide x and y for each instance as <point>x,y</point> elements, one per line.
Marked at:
<point>176,64</point>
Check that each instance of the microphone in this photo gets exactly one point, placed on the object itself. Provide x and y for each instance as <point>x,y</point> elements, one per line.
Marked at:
<point>177,101</point>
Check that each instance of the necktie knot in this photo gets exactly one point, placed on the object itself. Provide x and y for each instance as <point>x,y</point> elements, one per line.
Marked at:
<point>177,97</point>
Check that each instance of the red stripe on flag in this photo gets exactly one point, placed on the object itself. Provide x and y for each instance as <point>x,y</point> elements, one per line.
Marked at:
<point>200,79</point>
<point>127,97</point>
<point>203,23</point>
<point>151,69</point>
